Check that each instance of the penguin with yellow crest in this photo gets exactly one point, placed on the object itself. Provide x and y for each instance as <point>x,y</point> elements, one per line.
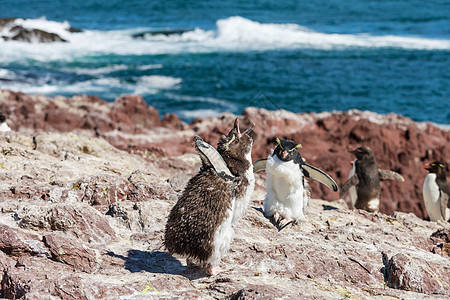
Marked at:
<point>287,189</point>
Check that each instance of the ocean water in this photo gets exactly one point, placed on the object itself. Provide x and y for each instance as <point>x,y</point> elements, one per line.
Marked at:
<point>302,56</point>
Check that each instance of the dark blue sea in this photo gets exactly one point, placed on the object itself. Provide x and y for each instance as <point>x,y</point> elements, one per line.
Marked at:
<point>201,58</point>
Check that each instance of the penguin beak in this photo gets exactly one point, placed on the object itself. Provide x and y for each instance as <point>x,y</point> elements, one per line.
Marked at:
<point>352,150</point>
<point>284,154</point>
<point>249,131</point>
<point>426,166</point>
<point>236,126</point>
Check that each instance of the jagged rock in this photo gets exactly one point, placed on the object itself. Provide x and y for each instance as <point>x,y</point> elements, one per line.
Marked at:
<point>422,275</point>
<point>80,220</point>
<point>16,242</point>
<point>70,251</point>
<point>16,32</point>
<point>129,124</point>
<point>254,291</point>
<point>87,198</point>
<point>38,278</point>
<point>441,242</point>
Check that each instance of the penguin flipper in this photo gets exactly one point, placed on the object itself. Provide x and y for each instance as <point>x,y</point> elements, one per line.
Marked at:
<point>348,184</point>
<point>319,175</point>
<point>390,175</point>
<point>259,165</point>
<point>444,205</point>
<point>211,157</point>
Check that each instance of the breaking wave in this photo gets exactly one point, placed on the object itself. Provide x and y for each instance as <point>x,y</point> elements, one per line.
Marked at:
<point>231,34</point>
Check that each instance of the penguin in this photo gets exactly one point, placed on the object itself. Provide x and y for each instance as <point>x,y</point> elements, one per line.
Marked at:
<point>199,226</point>
<point>3,125</point>
<point>287,189</point>
<point>436,192</point>
<point>366,179</point>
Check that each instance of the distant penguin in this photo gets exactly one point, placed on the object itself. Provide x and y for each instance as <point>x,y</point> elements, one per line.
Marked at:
<point>367,180</point>
<point>3,126</point>
<point>287,189</point>
<point>436,192</point>
<point>199,226</point>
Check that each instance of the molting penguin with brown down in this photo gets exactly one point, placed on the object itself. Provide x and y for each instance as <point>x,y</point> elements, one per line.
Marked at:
<point>199,226</point>
<point>287,189</point>
<point>366,179</point>
<point>436,192</point>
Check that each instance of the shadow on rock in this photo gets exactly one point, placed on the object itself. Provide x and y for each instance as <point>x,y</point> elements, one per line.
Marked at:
<point>157,262</point>
<point>329,207</point>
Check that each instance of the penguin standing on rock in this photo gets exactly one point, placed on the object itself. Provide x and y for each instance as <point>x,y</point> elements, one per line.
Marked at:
<point>436,192</point>
<point>3,125</point>
<point>366,179</point>
<point>199,226</point>
<point>287,189</point>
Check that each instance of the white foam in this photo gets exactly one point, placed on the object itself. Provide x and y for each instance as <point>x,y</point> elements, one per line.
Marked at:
<point>96,71</point>
<point>144,85</point>
<point>149,67</point>
<point>231,34</point>
<point>154,83</point>
<point>6,74</point>
<point>204,113</point>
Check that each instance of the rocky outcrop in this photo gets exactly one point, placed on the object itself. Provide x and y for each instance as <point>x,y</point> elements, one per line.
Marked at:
<point>80,219</point>
<point>10,30</point>
<point>128,123</point>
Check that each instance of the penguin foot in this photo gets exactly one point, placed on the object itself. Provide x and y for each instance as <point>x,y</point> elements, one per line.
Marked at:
<point>275,219</point>
<point>285,222</point>
<point>213,271</point>
<point>191,263</point>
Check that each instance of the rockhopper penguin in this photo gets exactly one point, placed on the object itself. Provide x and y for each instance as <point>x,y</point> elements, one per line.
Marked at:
<point>366,179</point>
<point>287,189</point>
<point>436,192</point>
<point>3,125</point>
<point>199,226</point>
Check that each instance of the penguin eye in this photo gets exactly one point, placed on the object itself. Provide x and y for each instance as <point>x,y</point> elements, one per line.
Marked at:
<point>236,142</point>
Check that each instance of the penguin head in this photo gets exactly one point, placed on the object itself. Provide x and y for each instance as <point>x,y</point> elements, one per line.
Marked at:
<point>2,117</point>
<point>235,144</point>
<point>436,167</point>
<point>286,150</point>
<point>362,153</point>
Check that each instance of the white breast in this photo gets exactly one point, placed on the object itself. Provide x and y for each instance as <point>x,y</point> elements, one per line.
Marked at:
<point>243,202</point>
<point>222,239</point>
<point>352,190</point>
<point>285,191</point>
<point>431,197</point>
<point>4,127</point>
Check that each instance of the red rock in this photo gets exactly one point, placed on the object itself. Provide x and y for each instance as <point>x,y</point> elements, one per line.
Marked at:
<point>70,251</point>
<point>16,242</point>
<point>440,241</point>
<point>40,278</point>
<point>406,273</point>
<point>129,124</point>
<point>133,113</point>
<point>78,219</point>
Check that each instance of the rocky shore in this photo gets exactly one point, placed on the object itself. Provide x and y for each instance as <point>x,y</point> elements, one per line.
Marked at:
<point>87,186</point>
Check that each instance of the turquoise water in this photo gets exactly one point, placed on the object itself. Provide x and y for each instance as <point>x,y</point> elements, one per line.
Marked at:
<point>382,56</point>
